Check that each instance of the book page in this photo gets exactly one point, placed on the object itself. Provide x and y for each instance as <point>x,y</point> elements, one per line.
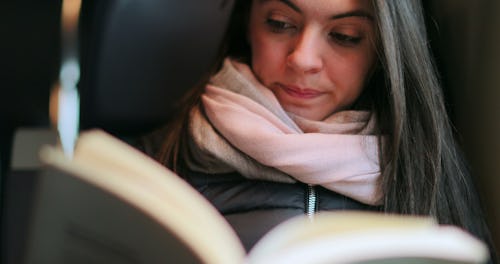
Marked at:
<point>358,237</point>
<point>126,172</point>
<point>76,222</point>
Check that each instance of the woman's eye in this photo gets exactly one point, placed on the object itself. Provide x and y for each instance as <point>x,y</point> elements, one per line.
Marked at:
<point>278,26</point>
<point>344,39</point>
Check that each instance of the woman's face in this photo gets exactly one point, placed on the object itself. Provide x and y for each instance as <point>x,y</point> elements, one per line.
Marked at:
<point>315,55</point>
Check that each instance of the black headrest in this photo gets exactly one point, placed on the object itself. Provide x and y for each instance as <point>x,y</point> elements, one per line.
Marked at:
<point>139,57</point>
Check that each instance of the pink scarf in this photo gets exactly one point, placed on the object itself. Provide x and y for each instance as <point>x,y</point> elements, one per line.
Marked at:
<point>246,129</point>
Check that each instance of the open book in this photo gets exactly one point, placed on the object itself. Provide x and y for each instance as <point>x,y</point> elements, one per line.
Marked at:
<point>113,204</point>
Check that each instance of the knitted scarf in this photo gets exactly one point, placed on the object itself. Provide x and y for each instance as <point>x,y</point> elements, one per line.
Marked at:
<point>243,128</point>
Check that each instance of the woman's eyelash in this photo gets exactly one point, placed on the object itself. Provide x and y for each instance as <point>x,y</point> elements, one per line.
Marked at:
<point>345,39</point>
<point>278,26</point>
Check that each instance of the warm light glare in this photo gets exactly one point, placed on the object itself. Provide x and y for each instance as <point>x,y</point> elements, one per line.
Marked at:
<point>70,13</point>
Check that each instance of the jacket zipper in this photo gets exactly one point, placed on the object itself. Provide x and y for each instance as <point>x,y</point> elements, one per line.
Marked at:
<point>311,201</point>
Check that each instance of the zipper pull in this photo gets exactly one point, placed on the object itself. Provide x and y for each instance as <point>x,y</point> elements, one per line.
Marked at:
<point>311,202</point>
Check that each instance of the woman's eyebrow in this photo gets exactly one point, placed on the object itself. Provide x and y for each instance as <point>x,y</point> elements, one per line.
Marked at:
<point>286,2</point>
<point>354,13</point>
<point>291,5</point>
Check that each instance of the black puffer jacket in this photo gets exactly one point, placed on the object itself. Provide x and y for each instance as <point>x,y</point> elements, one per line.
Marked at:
<point>254,207</point>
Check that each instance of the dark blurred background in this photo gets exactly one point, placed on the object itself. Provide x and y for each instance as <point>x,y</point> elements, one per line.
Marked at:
<point>29,57</point>
<point>464,36</point>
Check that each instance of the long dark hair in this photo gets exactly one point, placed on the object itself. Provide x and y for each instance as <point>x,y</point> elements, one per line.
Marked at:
<point>423,172</point>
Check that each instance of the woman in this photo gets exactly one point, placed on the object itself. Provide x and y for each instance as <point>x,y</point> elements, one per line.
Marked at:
<point>321,105</point>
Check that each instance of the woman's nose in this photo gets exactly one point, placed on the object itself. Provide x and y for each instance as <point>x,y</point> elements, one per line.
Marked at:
<point>304,55</point>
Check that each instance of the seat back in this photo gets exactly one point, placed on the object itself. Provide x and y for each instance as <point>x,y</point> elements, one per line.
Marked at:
<point>138,58</point>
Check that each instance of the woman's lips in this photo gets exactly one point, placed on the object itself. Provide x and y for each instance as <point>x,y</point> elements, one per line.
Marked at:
<point>298,92</point>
